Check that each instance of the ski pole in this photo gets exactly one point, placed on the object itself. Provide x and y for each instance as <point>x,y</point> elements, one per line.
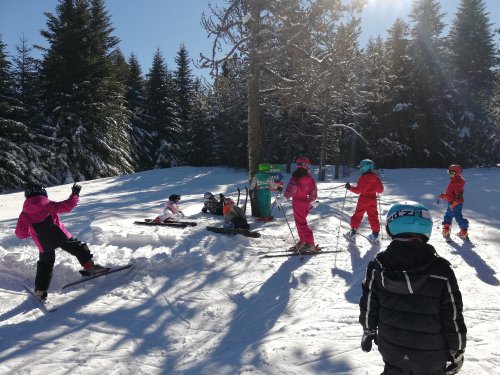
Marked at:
<point>290,229</point>
<point>340,225</point>
<point>379,216</point>
<point>335,188</point>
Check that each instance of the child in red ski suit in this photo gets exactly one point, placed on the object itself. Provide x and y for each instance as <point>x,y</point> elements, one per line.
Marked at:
<point>39,220</point>
<point>303,191</point>
<point>455,197</point>
<point>368,186</point>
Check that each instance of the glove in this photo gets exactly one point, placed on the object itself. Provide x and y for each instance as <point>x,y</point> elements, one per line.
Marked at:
<point>280,188</point>
<point>347,185</point>
<point>280,200</point>
<point>457,360</point>
<point>369,335</point>
<point>454,204</point>
<point>442,196</point>
<point>182,213</point>
<point>75,189</point>
<point>314,204</point>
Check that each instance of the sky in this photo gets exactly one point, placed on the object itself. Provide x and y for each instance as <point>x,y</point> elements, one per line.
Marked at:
<point>201,303</point>
<point>145,25</point>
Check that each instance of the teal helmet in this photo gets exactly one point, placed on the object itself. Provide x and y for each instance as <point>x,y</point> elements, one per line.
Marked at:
<point>366,165</point>
<point>409,219</point>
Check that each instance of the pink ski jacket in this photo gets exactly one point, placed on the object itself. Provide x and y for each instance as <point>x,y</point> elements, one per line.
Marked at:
<point>40,221</point>
<point>304,189</point>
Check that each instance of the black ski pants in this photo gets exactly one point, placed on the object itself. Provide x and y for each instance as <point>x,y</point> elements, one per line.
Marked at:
<point>46,261</point>
<point>393,370</point>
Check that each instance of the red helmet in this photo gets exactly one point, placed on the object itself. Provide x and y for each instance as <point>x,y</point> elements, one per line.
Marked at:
<point>455,168</point>
<point>229,202</point>
<point>303,162</point>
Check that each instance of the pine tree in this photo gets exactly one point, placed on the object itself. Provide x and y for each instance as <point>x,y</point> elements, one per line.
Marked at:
<point>431,131</point>
<point>473,61</point>
<point>160,102</point>
<point>184,101</point>
<point>84,104</point>
<point>13,162</point>
<point>140,134</point>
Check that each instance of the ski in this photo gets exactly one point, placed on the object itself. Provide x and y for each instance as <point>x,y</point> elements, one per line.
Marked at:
<point>244,232</point>
<point>88,278</point>
<point>246,199</point>
<point>376,242</point>
<point>45,306</point>
<point>178,224</point>
<point>278,254</point>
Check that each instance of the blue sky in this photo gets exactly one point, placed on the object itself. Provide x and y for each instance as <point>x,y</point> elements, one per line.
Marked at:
<point>145,25</point>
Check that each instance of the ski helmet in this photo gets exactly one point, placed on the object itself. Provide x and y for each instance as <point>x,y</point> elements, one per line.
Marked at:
<point>174,198</point>
<point>407,219</point>
<point>366,165</point>
<point>34,190</point>
<point>208,195</point>
<point>303,162</point>
<point>263,167</point>
<point>229,202</point>
<point>455,168</point>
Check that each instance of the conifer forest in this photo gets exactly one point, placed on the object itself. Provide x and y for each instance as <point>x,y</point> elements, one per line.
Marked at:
<point>287,78</point>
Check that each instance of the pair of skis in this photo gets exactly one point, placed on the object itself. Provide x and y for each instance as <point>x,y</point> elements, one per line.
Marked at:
<point>46,306</point>
<point>175,224</point>
<point>289,253</point>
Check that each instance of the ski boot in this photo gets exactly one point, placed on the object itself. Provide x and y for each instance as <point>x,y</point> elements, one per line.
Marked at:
<point>447,232</point>
<point>463,234</point>
<point>92,269</point>
<point>351,235</point>
<point>308,247</point>
<point>295,248</point>
<point>41,294</point>
<point>374,238</point>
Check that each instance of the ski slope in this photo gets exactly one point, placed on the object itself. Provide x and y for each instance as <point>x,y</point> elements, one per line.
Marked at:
<point>198,302</point>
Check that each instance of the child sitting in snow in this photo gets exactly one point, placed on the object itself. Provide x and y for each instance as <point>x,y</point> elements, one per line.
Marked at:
<point>234,217</point>
<point>171,210</point>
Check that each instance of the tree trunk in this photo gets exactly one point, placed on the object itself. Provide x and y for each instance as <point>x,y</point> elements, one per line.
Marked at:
<point>254,131</point>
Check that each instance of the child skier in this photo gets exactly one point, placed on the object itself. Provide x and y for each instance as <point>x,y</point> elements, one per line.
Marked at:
<point>302,189</point>
<point>368,186</point>
<point>171,210</point>
<point>234,217</point>
<point>411,305</point>
<point>455,197</point>
<point>39,220</point>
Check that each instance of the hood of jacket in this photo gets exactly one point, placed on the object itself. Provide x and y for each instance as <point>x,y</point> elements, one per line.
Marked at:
<point>37,208</point>
<point>405,265</point>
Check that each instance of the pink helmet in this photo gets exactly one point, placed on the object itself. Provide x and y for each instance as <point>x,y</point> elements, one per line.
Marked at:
<point>303,162</point>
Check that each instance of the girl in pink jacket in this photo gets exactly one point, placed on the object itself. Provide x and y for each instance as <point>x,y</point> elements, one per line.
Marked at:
<point>40,221</point>
<point>302,189</point>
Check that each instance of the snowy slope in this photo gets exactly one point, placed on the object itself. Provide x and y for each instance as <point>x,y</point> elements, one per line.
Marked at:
<point>203,303</point>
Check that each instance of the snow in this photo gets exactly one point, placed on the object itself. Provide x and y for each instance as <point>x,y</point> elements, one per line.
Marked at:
<point>197,302</point>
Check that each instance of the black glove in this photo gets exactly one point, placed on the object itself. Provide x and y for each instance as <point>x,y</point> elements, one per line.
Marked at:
<point>75,190</point>
<point>279,188</point>
<point>456,357</point>
<point>347,185</point>
<point>369,335</point>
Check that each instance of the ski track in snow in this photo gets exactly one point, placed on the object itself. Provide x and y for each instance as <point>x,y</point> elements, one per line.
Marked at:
<point>198,302</point>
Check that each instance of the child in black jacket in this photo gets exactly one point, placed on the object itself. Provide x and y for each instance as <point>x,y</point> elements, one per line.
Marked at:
<point>411,305</point>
